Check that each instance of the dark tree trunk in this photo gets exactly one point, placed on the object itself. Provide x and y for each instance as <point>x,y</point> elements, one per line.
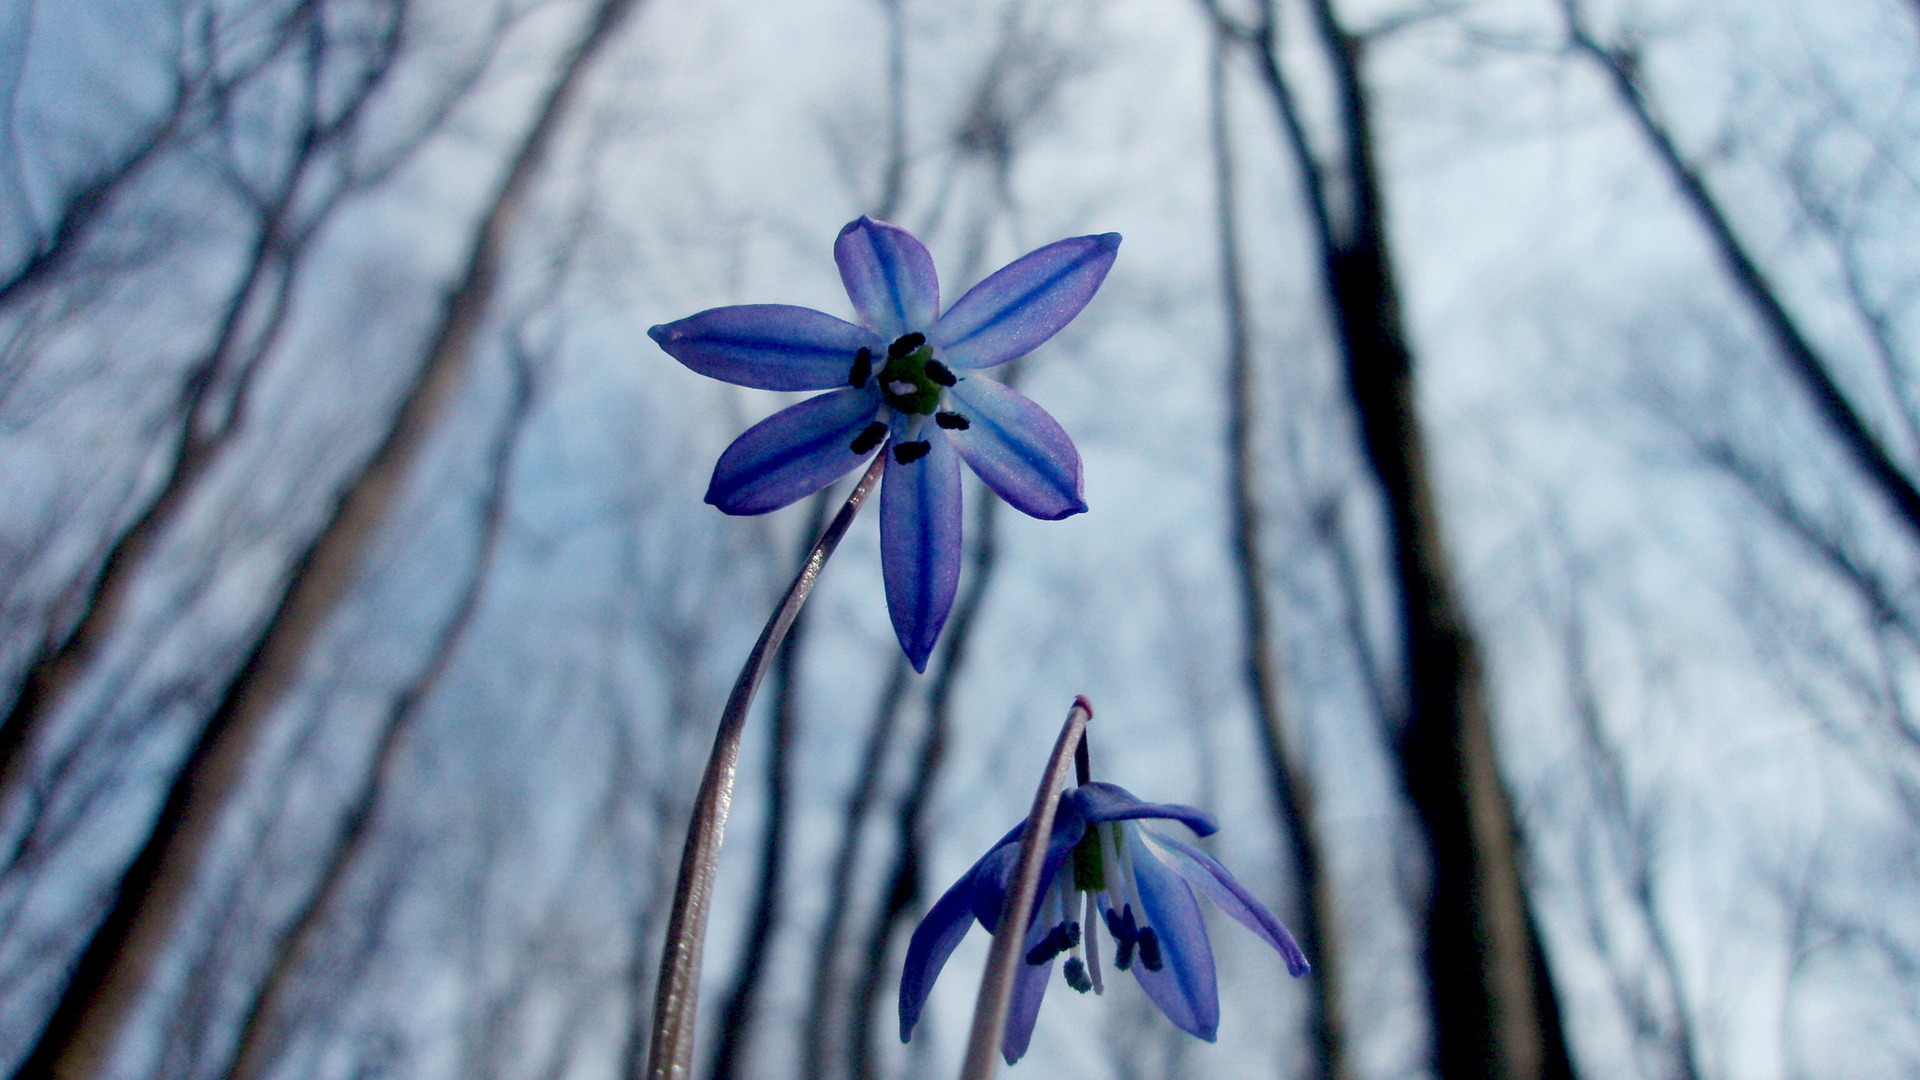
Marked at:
<point>1490,997</point>
<point>1288,777</point>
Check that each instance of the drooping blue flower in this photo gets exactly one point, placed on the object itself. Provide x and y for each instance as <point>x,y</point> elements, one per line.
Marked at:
<point>1102,866</point>
<point>902,381</point>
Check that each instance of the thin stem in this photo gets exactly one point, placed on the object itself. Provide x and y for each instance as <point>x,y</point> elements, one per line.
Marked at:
<point>996,985</point>
<point>676,996</point>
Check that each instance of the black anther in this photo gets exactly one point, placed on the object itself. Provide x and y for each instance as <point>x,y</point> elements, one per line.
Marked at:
<point>862,367</point>
<point>907,453</point>
<point>952,421</point>
<point>1052,945</point>
<point>940,373</point>
<point>869,438</point>
<point>905,344</point>
<point>1125,936</point>
<point>1149,948</point>
<point>1076,973</point>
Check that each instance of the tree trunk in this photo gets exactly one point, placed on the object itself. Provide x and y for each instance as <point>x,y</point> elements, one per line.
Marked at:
<point>1490,998</point>
<point>117,964</point>
<point>1291,784</point>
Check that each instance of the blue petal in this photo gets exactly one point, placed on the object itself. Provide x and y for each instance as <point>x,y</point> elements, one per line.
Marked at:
<point>1101,801</point>
<point>989,897</point>
<point>933,942</point>
<point>996,867</point>
<point>889,277</point>
<point>1184,987</point>
<point>767,346</point>
<point>920,543</point>
<point>1024,303</point>
<point>795,452</point>
<point>1204,873</point>
<point>1020,451</point>
<point>1029,989</point>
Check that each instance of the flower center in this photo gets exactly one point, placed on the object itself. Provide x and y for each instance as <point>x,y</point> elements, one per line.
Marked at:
<point>912,379</point>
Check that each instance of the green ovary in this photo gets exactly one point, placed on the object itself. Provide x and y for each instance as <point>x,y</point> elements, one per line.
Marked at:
<point>907,385</point>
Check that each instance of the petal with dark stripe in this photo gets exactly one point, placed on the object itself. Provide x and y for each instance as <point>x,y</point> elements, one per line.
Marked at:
<point>889,277</point>
<point>920,543</point>
<point>1185,987</point>
<point>767,346</point>
<point>793,453</point>
<point>1024,303</point>
<point>1213,881</point>
<point>1021,452</point>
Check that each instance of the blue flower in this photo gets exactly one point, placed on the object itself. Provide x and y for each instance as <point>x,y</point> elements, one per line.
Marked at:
<point>1141,884</point>
<point>901,391</point>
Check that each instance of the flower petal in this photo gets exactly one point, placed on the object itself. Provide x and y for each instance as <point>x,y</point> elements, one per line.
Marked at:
<point>767,346</point>
<point>1184,987</point>
<point>996,867</point>
<point>1023,1011</point>
<point>795,452</point>
<point>1101,801</point>
<point>920,543</point>
<point>932,943</point>
<point>1213,880</point>
<point>889,277</point>
<point>1020,451</point>
<point>1024,303</point>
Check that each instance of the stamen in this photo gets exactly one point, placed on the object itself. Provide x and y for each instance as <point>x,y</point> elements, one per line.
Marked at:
<point>907,453</point>
<point>1093,944</point>
<point>869,438</point>
<point>1076,973</point>
<point>940,373</point>
<point>1057,940</point>
<point>952,421</point>
<point>1149,948</point>
<point>862,368</point>
<point>905,344</point>
<point>1125,936</point>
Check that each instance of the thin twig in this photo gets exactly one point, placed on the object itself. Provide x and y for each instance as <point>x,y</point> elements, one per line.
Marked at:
<point>676,996</point>
<point>996,985</point>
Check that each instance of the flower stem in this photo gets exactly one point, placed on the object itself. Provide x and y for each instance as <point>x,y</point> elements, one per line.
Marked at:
<point>676,995</point>
<point>996,985</point>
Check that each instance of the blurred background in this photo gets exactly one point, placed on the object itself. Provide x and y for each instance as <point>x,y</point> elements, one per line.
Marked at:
<point>1501,430</point>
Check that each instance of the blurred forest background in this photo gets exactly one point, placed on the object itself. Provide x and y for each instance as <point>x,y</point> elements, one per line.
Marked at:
<point>362,628</point>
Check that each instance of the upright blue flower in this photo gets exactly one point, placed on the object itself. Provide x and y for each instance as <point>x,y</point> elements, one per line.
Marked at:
<point>1101,865</point>
<point>901,392</point>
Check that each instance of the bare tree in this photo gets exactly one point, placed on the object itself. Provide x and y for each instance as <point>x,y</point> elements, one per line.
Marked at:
<point>1815,372</point>
<point>1619,856</point>
<point>114,968</point>
<point>211,401</point>
<point>266,1008</point>
<point>206,72</point>
<point>1287,774</point>
<point>1489,993</point>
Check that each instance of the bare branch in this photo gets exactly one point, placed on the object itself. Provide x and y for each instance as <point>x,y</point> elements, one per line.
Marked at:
<point>114,968</point>
<point>1815,372</point>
